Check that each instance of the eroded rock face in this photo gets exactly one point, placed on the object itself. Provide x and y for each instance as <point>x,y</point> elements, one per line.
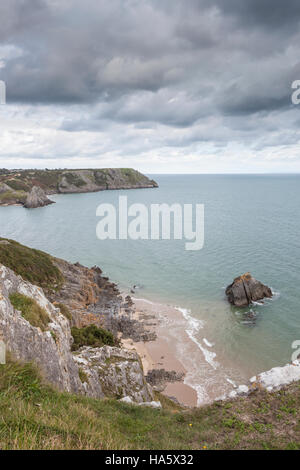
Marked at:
<point>113,372</point>
<point>91,297</point>
<point>83,181</point>
<point>37,198</point>
<point>96,372</point>
<point>51,352</point>
<point>245,289</point>
<point>159,378</point>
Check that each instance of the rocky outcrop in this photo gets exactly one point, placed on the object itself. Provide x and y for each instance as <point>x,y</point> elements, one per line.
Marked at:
<point>83,181</point>
<point>90,297</point>
<point>150,404</point>
<point>159,378</point>
<point>96,372</point>
<point>113,372</point>
<point>49,350</point>
<point>270,381</point>
<point>245,289</point>
<point>278,377</point>
<point>37,198</point>
<point>4,188</point>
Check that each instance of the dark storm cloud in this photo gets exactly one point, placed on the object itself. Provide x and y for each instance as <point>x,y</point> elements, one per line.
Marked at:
<point>19,17</point>
<point>265,13</point>
<point>166,62</point>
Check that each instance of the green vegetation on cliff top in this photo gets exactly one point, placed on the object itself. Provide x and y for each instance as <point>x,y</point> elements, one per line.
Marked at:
<point>35,416</point>
<point>33,265</point>
<point>21,181</point>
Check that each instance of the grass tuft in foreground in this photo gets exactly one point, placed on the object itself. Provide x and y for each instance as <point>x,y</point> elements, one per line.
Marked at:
<point>34,416</point>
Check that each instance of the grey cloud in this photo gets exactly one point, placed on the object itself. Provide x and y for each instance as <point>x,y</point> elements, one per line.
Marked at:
<point>156,64</point>
<point>265,13</point>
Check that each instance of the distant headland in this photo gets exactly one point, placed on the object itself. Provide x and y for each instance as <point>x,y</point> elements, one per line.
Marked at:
<point>16,186</point>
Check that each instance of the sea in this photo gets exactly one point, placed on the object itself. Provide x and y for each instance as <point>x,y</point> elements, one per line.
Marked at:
<point>251,224</point>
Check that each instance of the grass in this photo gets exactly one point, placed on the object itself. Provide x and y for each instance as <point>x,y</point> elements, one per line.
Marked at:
<point>35,416</point>
<point>17,185</point>
<point>22,181</point>
<point>82,375</point>
<point>13,197</point>
<point>133,176</point>
<point>64,310</point>
<point>74,179</point>
<point>34,266</point>
<point>30,310</point>
<point>92,336</point>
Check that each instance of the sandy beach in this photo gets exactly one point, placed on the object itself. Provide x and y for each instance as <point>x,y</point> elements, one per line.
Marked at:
<point>181,346</point>
<point>161,353</point>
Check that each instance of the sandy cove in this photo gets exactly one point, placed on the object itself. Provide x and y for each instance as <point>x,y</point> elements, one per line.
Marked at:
<point>161,353</point>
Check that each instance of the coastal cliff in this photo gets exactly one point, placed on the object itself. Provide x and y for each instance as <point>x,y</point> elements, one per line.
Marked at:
<point>45,347</point>
<point>36,328</point>
<point>16,185</point>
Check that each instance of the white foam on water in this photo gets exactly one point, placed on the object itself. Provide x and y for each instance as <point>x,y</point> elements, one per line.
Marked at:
<point>194,325</point>
<point>143,300</point>
<point>202,396</point>
<point>231,382</point>
<point>210,345</point>
<point>192,328</point>
<point>276,294</point>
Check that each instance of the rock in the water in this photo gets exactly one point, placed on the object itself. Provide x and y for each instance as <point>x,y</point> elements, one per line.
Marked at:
<point>37,198</point>
<point>245,289</point>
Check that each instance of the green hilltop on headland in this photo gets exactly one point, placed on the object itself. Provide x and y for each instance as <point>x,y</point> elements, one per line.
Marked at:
<point>16,185</point>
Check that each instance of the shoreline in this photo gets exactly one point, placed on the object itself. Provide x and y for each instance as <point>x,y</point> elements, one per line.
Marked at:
<point>181,345</point>
<point>159,353</point>
<point>178,347</point>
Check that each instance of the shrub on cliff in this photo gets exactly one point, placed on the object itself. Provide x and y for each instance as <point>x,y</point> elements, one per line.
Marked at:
<point>92,336</point>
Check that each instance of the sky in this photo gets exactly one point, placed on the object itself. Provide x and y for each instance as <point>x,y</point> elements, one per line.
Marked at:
<point>163,86</point>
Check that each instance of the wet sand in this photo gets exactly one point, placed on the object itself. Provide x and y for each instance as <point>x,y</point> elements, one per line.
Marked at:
<point>160,354</point>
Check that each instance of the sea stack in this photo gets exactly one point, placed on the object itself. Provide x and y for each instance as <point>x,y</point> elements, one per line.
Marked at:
<point>245,289</point>
<point>37,198</point>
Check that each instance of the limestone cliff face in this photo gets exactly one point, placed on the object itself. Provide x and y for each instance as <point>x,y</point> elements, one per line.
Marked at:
<point>96,372</point>
<point>90,297</point>
<point>113,372</point>
<point>28,343</point>
<point>81,181</point>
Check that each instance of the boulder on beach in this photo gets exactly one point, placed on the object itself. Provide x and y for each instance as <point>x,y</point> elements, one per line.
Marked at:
<point>246,289</point>
<point>37,198</point>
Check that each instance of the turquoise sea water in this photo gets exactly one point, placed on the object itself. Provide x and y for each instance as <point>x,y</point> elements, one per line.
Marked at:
<point>252,224</point>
